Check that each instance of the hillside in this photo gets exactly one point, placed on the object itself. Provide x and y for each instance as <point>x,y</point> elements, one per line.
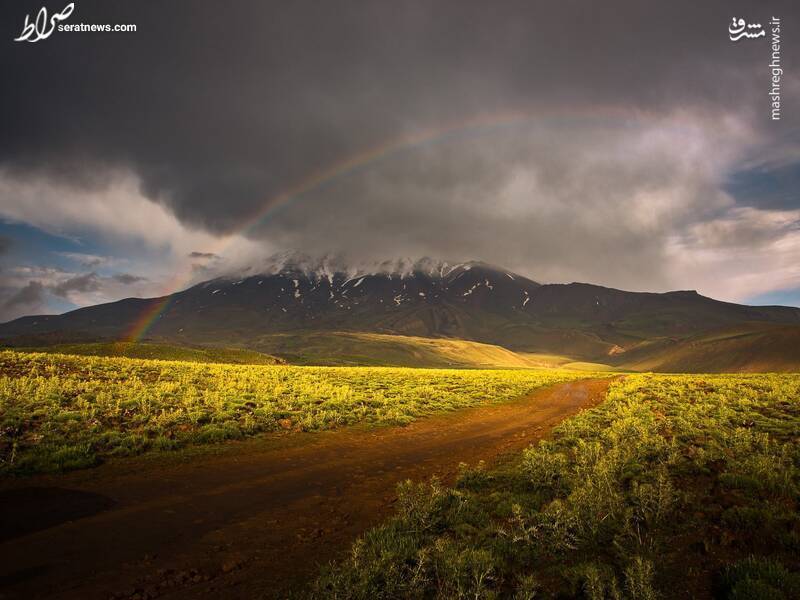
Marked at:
<point>285,305</point>
<point>331,349</point>
<point>751,347</point>
<point>347,348</point>
<point>208,354</point>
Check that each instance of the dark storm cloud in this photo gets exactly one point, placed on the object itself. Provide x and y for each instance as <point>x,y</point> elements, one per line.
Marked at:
<point>589,207</point>
<point>636,109</point>
<point>5,244</point>
<point>218,107</point>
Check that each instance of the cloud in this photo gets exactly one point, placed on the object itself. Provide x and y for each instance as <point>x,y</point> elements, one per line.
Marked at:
<point>27,289</point>
<point>115,211</point>
<point>127,279</point>
<point>88,287</point>
<point>637,140</point>
<point>290,108</point>
<point>88,260</point>
<point>744,253</point>
<point>149,238</point>
<point>745,228</point>
<point>30,296</point>
<point>5,245</point>
<point>26,299</point>
<point>600,205</point>
<point>88,282</point>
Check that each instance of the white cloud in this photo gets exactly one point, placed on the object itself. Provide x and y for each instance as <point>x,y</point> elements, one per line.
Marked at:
<point>152,242</point>
<point>743,253</point>
<point>118,212</point>
<point>92,260</point>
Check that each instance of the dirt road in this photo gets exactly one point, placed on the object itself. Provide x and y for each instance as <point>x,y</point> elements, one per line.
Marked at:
<point>250,519</point>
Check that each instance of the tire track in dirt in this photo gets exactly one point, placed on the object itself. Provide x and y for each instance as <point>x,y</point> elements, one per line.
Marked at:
<point>254,519</point>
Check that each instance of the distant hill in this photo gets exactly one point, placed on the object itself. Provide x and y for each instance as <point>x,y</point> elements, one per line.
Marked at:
<point>285,307</point>
<point>751,347</point>
<point>350,348</point>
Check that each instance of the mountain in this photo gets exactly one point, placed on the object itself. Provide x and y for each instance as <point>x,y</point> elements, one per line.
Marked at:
<point>292,296</point>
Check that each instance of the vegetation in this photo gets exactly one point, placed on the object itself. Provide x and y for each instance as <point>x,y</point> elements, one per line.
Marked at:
<point>376,349</point>
<point>676,486</point>
<point>61,412</point>
<point>336,348</point>
<point>747,347</point>
<point>751,347</point>
<point>203,354</point>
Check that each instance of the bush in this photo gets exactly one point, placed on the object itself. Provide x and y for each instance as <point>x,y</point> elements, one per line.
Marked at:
<point>757,578</point>
<point>662,468</point>
<point>119,404</point>
<point>544,466</point>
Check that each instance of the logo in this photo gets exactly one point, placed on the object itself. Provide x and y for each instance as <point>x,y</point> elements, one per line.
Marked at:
<point>43,27</point>
<point>738,30</point>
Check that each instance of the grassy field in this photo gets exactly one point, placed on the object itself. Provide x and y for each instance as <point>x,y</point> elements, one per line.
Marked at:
<point>743,348</point>
<point>677,486</point>
<point>336,348</point>
<point>374,349</point>
<point>62,412</point>
<point>205,354</point>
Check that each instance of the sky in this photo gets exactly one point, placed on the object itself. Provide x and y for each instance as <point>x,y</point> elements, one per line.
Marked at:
<point>625,143</point>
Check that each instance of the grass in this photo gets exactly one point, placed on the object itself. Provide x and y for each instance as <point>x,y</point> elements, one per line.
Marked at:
<point>676,486</point>
<point>336,348</point>
<point>747,347</point>
<point>589,366</point>
<point>204,354</point>
<point>375,349</point>
<point>60,412</point>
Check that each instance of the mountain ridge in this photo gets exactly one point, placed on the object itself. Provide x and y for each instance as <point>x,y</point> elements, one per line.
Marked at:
<point>425,298</point>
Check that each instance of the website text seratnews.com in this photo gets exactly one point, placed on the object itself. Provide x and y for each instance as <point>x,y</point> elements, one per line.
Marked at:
<point>96,27</point>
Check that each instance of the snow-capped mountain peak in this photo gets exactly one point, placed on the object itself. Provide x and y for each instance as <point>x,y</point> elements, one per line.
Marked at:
<point>329,265</point>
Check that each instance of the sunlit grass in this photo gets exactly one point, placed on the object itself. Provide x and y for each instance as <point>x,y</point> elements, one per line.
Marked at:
<point>60,412</point>
<point>676,486</point>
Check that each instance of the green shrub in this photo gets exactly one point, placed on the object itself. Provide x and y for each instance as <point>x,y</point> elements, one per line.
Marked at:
<point>757,578</point>
<point>544,466</point>
<point>663,468</point>
<point>639,575</point>
<point>50,400</point>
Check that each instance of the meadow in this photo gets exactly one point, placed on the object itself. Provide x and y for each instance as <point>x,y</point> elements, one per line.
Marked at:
<point>61,412</point>
<point>677,486</point>
<point>201,354</point>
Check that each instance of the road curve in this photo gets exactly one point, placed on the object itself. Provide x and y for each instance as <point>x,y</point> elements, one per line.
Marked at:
<point>252,519</point>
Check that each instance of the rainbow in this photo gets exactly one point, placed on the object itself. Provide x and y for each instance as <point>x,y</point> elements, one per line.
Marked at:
<point>479,125</point>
